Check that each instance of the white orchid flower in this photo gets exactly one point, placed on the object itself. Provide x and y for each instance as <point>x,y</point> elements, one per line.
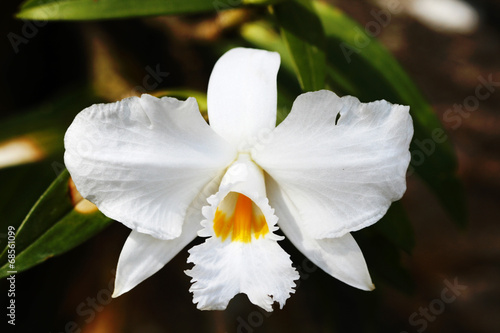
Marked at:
<point>156,166</point>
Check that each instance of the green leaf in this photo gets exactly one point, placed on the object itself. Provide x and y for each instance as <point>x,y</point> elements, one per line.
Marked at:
<point>303,34</point>
<point>359,65</point>
<point>396,228</point>
<point>39,133</point>
<point>27,181</point>
<point>58,222</point>
<point>111,9</point>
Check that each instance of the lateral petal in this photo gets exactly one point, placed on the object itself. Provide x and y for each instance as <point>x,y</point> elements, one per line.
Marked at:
<point>250,261</point>
<point>242,95</point>
<point>340,257</point>
<point>341,174</point>
<point>142,161</point>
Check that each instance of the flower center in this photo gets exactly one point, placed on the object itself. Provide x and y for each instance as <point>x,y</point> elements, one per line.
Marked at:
<point>239,217</point>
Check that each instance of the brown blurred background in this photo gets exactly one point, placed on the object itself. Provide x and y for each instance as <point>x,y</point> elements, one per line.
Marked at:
<point>447,60</point>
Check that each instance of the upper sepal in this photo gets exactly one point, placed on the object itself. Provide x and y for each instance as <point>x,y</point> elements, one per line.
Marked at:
<point>242,95</point>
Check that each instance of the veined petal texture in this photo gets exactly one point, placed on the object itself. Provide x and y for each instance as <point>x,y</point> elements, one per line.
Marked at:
<point>143,161</point>
<point>341,162</point>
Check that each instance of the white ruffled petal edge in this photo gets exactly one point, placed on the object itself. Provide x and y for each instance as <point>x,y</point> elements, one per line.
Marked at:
<point>223,268</point>
<point>260,269</point>
<point>143,160</point>
<point>342,174</point>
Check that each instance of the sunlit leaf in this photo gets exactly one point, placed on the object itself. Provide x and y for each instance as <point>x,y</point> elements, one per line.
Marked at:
<point>41,129</point>
<point>31,150</point>
<point>183,94</point>
<point>107,9</point>
<point>304,37</point>
<point>59,221</point>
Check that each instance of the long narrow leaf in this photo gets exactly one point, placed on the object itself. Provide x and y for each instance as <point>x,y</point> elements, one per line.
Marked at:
<point>304,37</point>
<point>58,222</point>
<point>112,9</point>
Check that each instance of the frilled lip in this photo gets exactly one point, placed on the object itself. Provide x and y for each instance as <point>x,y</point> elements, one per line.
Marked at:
<point>226,266</point>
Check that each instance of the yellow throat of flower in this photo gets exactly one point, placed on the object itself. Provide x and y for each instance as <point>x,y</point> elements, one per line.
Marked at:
<point>246,220</point>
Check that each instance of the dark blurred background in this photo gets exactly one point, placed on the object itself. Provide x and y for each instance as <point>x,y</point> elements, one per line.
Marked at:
<point>456,272</point>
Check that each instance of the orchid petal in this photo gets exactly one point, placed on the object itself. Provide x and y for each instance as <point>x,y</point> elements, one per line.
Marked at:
<point>255,265</point>
<point>142,161</point>
<point>340,257</point>
<point>242,95</point>
<point>340,173</point>
<point>143,255</point>
<point>262,270</point>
